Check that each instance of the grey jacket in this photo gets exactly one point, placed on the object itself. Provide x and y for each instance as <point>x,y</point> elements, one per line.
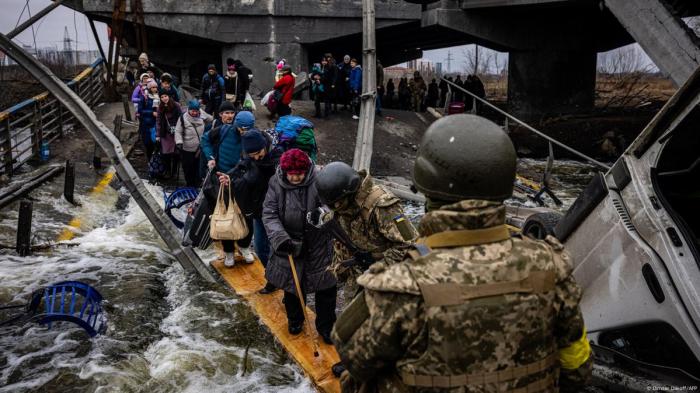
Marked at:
<point>284,217</point>
<point>189,133</point>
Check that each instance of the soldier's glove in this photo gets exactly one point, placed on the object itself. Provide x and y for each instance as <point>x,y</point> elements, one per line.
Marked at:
<point>319,216</point>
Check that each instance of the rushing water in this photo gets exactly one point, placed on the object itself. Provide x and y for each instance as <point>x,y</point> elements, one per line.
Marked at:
<point>167,331</point>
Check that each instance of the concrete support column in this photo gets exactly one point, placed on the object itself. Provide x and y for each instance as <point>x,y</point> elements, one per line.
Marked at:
<point>551,82</point>
<point>262,59</point>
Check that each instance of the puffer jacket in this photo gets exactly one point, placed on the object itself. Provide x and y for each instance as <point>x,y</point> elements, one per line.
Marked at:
<point>189,130</point>
<point>284,217</point>
<point>223,144</point>
<point>356,79</point>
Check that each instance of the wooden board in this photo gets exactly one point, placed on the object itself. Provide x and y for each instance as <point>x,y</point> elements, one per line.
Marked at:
<point>246,280</point>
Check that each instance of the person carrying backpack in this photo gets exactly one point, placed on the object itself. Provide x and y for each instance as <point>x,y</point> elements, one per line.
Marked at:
<point>188,132</point>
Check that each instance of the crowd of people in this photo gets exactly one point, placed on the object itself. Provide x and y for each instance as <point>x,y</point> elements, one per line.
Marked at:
<point>454,303</point>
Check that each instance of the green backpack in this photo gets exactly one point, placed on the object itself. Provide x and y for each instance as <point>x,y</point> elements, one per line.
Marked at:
<point>306,141</point>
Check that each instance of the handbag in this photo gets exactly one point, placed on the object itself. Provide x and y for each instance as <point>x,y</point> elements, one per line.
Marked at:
<point>227,223</point>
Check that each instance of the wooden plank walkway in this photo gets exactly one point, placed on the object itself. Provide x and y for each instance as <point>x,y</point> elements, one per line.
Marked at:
<point>246,280</point>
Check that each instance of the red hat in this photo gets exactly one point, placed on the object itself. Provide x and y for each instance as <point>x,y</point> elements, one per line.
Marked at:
<point>294,162</point>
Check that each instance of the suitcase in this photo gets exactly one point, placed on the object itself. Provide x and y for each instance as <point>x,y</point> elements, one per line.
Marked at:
<point>197,229</point>
<point>455,107</point>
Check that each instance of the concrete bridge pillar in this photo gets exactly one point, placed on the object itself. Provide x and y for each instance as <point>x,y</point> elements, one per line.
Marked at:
<point>551,82</point>
<point>262,60</point>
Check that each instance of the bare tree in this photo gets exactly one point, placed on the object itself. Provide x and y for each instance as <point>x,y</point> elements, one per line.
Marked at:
<point>623,76</point>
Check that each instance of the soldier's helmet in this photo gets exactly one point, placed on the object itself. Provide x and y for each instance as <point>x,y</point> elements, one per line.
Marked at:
<point>465,157</point>
<point>335,181</point>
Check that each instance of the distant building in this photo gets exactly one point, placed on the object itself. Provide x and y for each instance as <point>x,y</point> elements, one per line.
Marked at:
<point>54,55</point>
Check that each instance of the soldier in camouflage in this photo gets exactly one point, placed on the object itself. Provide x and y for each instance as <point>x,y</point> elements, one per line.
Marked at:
<point>372,217</point>
<point>472,308</point>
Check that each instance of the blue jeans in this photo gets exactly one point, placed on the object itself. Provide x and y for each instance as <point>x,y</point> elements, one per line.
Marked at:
<point>261,241</point>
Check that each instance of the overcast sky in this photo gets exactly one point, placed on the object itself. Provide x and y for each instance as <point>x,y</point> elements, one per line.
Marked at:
<point>50,29</point>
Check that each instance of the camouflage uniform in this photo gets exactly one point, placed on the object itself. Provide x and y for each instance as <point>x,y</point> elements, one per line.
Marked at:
<point>375,222</point>
<point>418,89</point>
<point>495,315</point>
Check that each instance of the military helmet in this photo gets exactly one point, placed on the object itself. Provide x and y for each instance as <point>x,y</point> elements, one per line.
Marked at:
<point>335,181</point>
<point>465,157</point>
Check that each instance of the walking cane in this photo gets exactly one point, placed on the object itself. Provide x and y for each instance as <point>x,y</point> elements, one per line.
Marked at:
<point>303,304</point>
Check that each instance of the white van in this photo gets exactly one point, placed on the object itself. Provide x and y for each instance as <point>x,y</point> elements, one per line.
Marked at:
<point>634,235</point>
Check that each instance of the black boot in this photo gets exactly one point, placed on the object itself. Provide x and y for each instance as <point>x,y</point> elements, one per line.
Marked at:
<point>294,329</point>
<point>326,336</point>
<point>338,369</point>
<point>268,289</point>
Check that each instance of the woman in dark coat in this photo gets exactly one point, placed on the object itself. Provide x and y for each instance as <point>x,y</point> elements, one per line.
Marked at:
<point>168,115</point>
<point>290,195</point>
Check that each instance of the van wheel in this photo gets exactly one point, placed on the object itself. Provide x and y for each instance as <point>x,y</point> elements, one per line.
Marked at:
<point>540,225</point>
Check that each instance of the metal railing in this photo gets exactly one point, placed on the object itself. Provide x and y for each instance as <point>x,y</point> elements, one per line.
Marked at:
<point>24,126</point>
<point>551,141</point>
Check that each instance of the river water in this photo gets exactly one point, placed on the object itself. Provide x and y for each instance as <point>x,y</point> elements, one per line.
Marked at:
<point>167,331</point>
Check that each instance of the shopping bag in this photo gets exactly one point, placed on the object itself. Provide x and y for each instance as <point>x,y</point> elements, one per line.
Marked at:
<point>266,98</point>
<point>227,223</point>
<point>248,102</point>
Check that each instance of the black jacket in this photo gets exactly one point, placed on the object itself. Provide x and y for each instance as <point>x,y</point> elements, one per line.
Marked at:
<point>250,179</point>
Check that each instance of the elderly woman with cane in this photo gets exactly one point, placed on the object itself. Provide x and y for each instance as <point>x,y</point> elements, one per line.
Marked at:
<point>301,252</point>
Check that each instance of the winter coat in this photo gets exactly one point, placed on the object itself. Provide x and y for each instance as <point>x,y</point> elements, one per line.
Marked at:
<point>356,79</point>
<point>213,88</point>
<point>137,94</point>
<point>286,86</point>
<point>250,180</point>
<point>223,144</point>
<point>244,74</point>
<point>343,80</point>
<point>145,109</point>
<point>189,130</point>
<point>230,82</point>
<point>284,217</point>
<point>166,119</point>
<point>330,75</point>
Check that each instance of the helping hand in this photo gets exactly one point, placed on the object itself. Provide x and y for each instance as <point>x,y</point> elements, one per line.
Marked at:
<point>223,178</point>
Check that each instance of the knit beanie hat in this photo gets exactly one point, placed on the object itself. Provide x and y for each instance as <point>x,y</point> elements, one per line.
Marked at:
<point>226,106</point>
<point>193,105</point>
<point>295,162</point>
<point>253,141</point>
<point>151,83</point>
<point>244,119</point>
<point>346,57</point>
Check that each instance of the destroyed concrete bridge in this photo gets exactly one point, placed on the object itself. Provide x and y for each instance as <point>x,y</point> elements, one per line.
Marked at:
<point>552,43</point>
